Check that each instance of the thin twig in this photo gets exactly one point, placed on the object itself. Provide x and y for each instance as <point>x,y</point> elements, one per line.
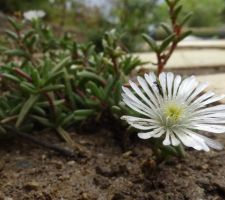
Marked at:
<point>56,148</point>
<point>60,150</point>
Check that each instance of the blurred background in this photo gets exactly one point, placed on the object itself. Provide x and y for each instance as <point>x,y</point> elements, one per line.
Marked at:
<point>87,20</point>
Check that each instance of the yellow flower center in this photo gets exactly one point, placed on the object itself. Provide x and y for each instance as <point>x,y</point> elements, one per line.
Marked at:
<point>173,112</point>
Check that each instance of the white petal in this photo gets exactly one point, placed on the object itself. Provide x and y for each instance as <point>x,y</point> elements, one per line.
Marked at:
<point>162,80</point>
<point>136,107</point>
<point>142,125</point>
<point>197,139</point>
<point>202,98</point>
<point>133,119</point>
<point>136,102</point>
<point>203,120</point>
<point>162,131</point>
<point>148,135</point>
<point>145,87</point>
<point>174,140</point>
<point>176,84</point>
<point>170,79</point>
<point>209,128</point>
<point>218,108</point>
<point>191,87</point>
<point>197,91</point>
<point>166,141</point>
<point>141,94</point>
<point>211,143</point>
<point>151,80</point>
<point>187,140</point>
<point>131,95</point>
<point>185,85</point>
<point>212,100</point>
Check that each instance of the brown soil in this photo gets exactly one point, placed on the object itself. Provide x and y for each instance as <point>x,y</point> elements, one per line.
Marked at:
<point>107,173</point>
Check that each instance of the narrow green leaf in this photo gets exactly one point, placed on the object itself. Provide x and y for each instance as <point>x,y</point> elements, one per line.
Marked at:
<point>116,109</point>
<point>16,109</point>
<point>79,99</point>
<point>92,103</point>
<point>35,76</point>
<point>186,19</point>
<point>11,77</point>
<point>12,35</point>
<point>83,112</point>
<point>52,88</point>
<point>28,87</point>
<point>42,120</point>
<point>151,42</point>
<point>177,11</point>
<point>95,90</point>
<point>60,65</point>
<point>168,151</point>
<point>184,35</point>
<point>39,110</point>
<point>80,118</point>
<point>26,108</point>
<point>67,120</point>
<point>16,52</point>
<point>53,77</point>
<point>91,76</point>
<point>46,103</point>
<point>3,48</point>
<point>14,23</point>
<point>69,90</point>
<point>166,28</point>
<point>109,87</point>
<point>28,34</point>
<point>65,135</point>
<point>166,42</point>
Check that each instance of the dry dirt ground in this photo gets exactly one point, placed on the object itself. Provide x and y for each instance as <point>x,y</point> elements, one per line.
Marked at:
<point>108,172</point>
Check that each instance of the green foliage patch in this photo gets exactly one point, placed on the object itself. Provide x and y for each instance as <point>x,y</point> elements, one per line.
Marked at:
<point>56,82</point>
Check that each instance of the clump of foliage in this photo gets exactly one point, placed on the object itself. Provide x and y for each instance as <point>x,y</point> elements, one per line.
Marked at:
<point>175,32</point>
<point>54,82</point>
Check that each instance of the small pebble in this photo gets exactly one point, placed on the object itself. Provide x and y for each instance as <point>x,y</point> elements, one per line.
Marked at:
<point>127,154</point>
<point>58,164</point>
<point>71,163</point>
<point>32,186</point>
<point>64,177</point>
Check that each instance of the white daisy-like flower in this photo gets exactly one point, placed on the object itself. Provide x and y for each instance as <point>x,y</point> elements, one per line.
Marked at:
<point>175,109</point>
<point>33,14</point>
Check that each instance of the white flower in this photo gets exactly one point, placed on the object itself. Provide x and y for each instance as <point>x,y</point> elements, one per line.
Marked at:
<point>175,109</point>
<point>33,14</point>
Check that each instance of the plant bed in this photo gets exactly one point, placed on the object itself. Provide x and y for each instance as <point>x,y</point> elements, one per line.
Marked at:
<point>51,84</point>
<point>108,172</point>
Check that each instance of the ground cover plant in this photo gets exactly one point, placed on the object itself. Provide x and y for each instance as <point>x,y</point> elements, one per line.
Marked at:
<point>54,83</point>
<point>51,84</point>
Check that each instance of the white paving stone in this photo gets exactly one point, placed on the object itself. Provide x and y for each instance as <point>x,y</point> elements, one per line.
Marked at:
<point>188,58</point>
<point>216,82</point>
<point>202,43</point>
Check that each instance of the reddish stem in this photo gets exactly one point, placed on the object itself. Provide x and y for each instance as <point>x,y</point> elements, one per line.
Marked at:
<point>163,59</point>
<point>22,74</point>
